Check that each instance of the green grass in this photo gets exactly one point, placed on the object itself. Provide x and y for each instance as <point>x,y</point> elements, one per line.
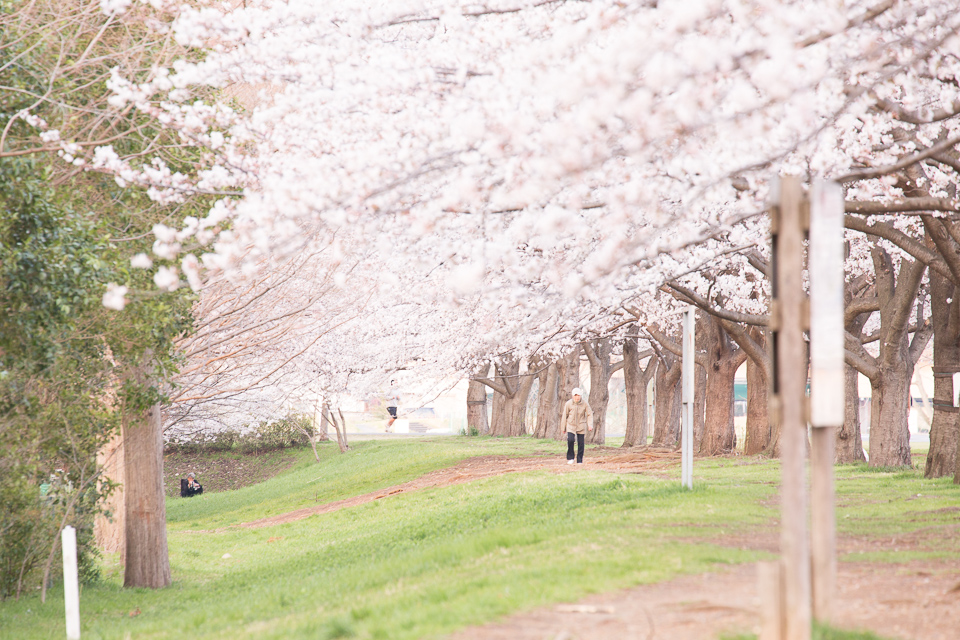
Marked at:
<point>423,564</point>
<point>820,632</point>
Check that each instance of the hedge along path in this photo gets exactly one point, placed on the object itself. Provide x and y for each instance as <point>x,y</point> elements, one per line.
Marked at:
<point>636,461</point>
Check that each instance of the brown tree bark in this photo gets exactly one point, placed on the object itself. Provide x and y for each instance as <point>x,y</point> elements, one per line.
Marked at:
<point>147,560</point>
<point>109,532</point>
<point>723,360</point>
<point>889,434</point>
<point>477,403</point>
<point>569,376</point>
<point>548,408</point>
<point>757,436</point>
<point>598,353</point>
<point>701,340</point>
<point>944,431</point>
<point>636,380</point>
<point>666,422</point>
<point>510,393</point>
<point>849,444</point>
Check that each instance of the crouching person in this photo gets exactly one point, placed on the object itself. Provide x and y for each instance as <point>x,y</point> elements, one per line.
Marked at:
<point>576,420</point>
<point>190,487</point>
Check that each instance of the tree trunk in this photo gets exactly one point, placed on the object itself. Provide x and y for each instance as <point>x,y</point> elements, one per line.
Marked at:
<point>757,435</point>
<point>718,433</point>
<point>699,406</point>
<point>849,444</point>
<point>890,407</point>
<point>889,432</point>
<point>636,381</point>
<point>548,409</point>
<point>666,423</point>
<point>109,533</point>
<point>944,432</point>
<point>504,408</point>
<point>598,352</point>
<point>723,358</point>
<point>319,424</point>
<point>569,377</point>
<point>147,562</point>
<point>477,423</point>
<point>509,410</point>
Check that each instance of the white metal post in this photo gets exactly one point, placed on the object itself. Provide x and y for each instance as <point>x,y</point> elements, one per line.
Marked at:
<point>71,587</point>
<point>825,266</point>
<point>687,398</point>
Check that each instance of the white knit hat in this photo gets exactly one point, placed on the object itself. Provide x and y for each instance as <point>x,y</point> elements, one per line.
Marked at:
<point>577,391</point>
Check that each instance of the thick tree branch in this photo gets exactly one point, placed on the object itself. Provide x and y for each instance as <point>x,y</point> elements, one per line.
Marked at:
<point>858,306</point>
<point>914,247</point>
<point>945,244</point>
<point>863,18</point>
<point>751,348</point>
<point>902,205</point>
<point>858,358</point>
<point>876,172</point>
<point>903,115</point>
<point>670,345</point>
<point>687,295</point>
<point>493,384</point>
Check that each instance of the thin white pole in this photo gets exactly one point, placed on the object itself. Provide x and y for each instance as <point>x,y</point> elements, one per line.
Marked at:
<point>71,586</point>
<point>826,384</point>
<point>687,398</point>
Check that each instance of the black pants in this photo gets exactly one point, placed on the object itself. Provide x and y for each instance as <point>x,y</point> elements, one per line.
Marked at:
<point>579,439</point>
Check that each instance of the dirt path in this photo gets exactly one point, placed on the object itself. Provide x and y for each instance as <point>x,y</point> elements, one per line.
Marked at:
<point>647,459</point>
<point>914,601</point>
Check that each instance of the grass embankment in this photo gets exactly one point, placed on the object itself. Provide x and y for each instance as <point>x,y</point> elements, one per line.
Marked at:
<point>220,471</point>
<point>422,564</point>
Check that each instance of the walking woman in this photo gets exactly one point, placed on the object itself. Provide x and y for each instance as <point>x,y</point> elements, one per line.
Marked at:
<point>576,420</point>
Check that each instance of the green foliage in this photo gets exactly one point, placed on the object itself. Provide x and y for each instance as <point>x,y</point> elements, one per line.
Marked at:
<point>64,361</point>
<point>291,432</point>
<point>68,366</point>
<point>820,632</point>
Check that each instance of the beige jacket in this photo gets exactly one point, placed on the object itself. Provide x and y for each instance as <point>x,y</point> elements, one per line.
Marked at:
<point>576,416</point>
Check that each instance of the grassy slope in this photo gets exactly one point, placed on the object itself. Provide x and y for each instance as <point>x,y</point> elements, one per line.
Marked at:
<point>422,564</point>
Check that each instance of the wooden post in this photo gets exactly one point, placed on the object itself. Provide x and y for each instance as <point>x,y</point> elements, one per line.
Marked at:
<point>788,311</point>
<point>688,399</point>
<point>826,383</point>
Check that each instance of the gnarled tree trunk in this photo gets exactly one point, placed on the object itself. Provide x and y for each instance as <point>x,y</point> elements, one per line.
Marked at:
<point>849,444</point>
<point>723,359</point>
<point>569,376</point>
<point>598,353</point>
<point>548,408</point>
<point>757,435</point>
<point>666,422</point>
<point>636,380</point>
<point>889,432</point>
<point>944,431</point>
<point>510,400</point>
<point>477,403</point>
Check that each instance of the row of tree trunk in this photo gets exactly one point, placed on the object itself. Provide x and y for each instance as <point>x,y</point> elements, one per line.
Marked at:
<point>722,347</point>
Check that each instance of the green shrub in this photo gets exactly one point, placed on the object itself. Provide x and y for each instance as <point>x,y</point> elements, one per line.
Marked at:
<point>291,432</point>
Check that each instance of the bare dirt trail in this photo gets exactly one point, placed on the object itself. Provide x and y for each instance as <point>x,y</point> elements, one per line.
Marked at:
<point>913,601</point>
<point>647,459</point>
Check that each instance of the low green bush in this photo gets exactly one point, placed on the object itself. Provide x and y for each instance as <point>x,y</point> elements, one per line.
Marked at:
<point>291,432</point>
